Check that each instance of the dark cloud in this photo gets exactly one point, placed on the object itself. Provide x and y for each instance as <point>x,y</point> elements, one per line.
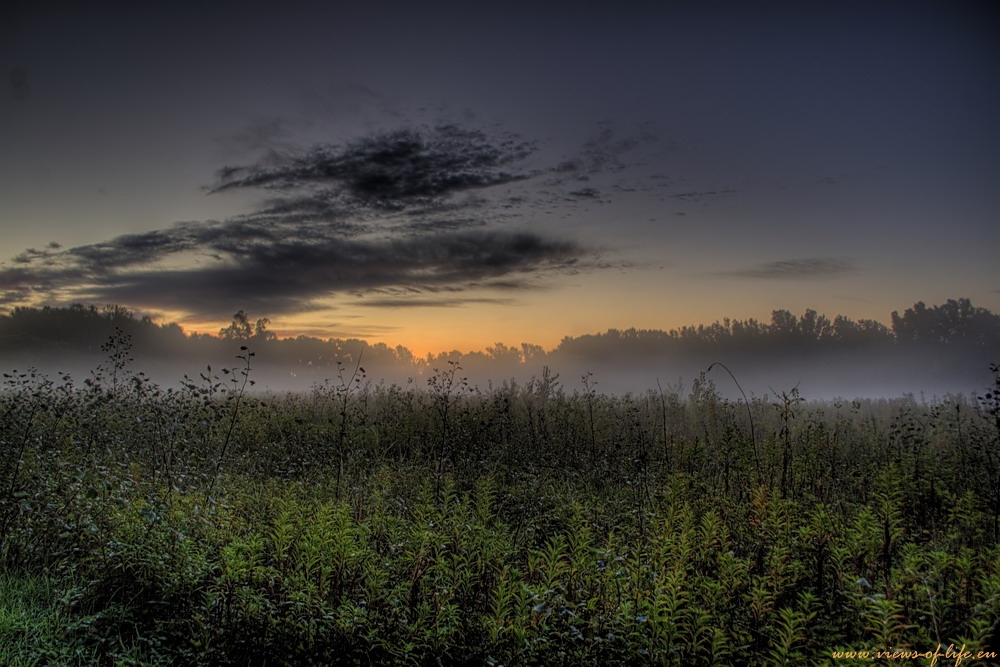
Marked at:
<point>415,212</point>
<point>795,269</point>
<point>700,195</point>
<point>32,255</point>
<point>391,171</point>
<point>442,224</point>
<point>302,208</point>
<point>422,302</point>
<point>604,151</point>
<point>135,249</point>
<point>16,280</point>
<point>287,276</point>
<point>274,275</point>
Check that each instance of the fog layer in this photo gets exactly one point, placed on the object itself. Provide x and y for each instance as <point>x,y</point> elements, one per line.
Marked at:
<point>930,351</point>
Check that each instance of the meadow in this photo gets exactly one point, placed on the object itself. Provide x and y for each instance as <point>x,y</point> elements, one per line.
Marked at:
<point>534,523</point>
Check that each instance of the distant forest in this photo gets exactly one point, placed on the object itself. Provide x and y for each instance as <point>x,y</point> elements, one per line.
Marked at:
<point>938,349</point>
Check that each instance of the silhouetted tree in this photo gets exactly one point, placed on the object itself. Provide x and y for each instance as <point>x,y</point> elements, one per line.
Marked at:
<point>815,327</point>
<point>952,322</point>
<point>784,326</point>
<point>239,330</point>
<point>260,331</point>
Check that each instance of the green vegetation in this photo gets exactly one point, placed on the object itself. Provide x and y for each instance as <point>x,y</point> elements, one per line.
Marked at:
<point>529,524</point>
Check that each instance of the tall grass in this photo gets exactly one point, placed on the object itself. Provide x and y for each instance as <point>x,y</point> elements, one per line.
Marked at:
<point>529,524</point>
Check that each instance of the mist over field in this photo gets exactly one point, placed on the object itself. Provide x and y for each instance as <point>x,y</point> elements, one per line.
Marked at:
<point>928,352</point>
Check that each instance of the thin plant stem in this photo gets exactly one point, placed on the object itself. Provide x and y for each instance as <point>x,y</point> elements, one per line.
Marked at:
<point>753,434</point>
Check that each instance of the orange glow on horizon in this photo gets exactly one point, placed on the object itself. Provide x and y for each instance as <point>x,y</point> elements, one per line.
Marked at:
<point>420,346</point>
<point>587,305</point>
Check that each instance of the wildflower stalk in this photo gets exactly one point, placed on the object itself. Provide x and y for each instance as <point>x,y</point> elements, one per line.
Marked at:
<point>753,434</point>
<point>232,421</point>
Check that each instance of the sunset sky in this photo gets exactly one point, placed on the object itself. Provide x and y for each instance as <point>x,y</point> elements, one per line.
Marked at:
<point>450,175</point>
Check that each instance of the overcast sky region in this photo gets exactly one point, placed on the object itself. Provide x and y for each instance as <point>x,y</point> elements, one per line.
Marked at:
<point>450,175</point>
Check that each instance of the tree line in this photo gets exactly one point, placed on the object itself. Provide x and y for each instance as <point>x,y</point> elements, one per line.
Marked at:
<point>955,334</point>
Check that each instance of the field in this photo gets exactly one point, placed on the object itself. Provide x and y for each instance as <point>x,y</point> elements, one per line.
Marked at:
<point>542,523</point>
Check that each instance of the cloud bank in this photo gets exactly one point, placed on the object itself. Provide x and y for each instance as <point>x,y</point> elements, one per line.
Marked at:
<point>411,212</point>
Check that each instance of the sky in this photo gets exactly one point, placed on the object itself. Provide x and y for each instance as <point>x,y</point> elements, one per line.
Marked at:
<point>445,176</point>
